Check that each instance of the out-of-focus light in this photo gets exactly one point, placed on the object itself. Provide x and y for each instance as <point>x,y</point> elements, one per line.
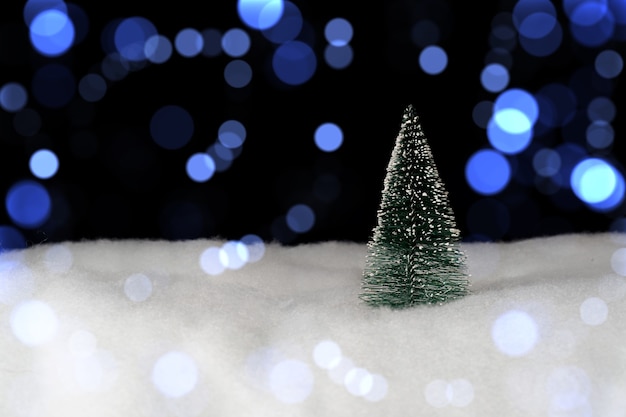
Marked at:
<point>235,42</point>
<point>28,204</point>
<point>255,246</point>
<point>200,167</point>
<point>591,22</point>
<point>327,354</point>
<point>597,183</point>
<point>53,85</point>
<point>481,114</point>
<point>92,87</point>
<point>114,67</point>
<point>540,33</point>
<point>600,134</point>
<point>138,287</point>
<point>260,14</point>
<point>288,27</point>
<point>10,238</point>
<point>300,218</point>
<point>594,311</point>
<point>189,42</point>
<point>171,127</point>
<point>238,73</point>
<point>338,32</point>
<point>210,261</point>
<point>511,126</point>
<point>338,57</point>
<point>34,322</point>
<point>609,64</point>
<point>546,162</point>
<point>517,98</point>
<point>233,254</point>
<point>44,164</point>
<point>158,49</point>
<point>131,35</point>
<point>52,33</point>
<point>13,97</point>
<point>294,62</point>
<point>175,374</point>
<point>358,381</point>
<point>545,46</point>
<point>487,172</point>
<point>291,381</point>
<point>515,333</point>
<point>231,134</point>
<point>494,78</point>
<point>33,8</point>
<point>328,137</point>
<point>433,60</point>
<point>601,108</point>
<point>27,122</point>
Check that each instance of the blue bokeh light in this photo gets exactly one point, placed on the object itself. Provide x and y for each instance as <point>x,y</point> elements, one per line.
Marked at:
<point>13,97</point>
<point>32,8</point>
<point>28,204</point>
<point>235,42</point>
<point>200,167</point>
<point>328,137</point>
<point>515,136</point>
<point>131,35</point>
<point>260,14</point>
<point>494,78</point>
<point>488,172</point>
<point>189,42</point>
<point>238,73</point>
<point>591,21</point>
<point>294,62</point>
<point>212,42</point>
<point>300,218</point>
<point>44,164</point>
<point>158,49</point>
<point>338,32</point>
<point>288,27</point>
<point>600,134</point>
<point>596,182</point>
<point>338,57</point>
<point>558,105</point>
<point>433,60</point>
<point>52,33</point>
<point>547,162</point>
<point>232,134</point>
<point>609,63</point>
<point>601,108</point>
<point>171,127</point>
<point>11,238</point>
<point>92,87</point>
<point>540,33</point>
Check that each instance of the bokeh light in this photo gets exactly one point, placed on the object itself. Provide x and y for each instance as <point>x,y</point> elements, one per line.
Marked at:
<point>338,32</point>
<point>232,134</point>
<point>92,87</point>
<point>487,172</point>
<point>34,322</point>
<point>158,49</point>
<point>52,32</point>
<point>294,62</point>
<point>327,354</point>
<point>433,60</point>
<point>594,311</point>
<point>28,203</point>
<point>328,137</point>
<point>288,27</point>
<point>13,97</point>
<point>609,63</point>
<point>494,78</point>
<point>131,35</point>
<point>238,73</point>
<point>235,42</point>
<point>260,14</point>
<point>291,381</point>
<point>515,333</point>
<point>595,181</point>
<point>138,287</point>
<point>43,163</point>
<point>189,42</point>
<point>300,218</point>
<point>11,238</point>
<point>175,374</point>
<point>200,167</point>
<point>338,57</point>
<point>171,127</point>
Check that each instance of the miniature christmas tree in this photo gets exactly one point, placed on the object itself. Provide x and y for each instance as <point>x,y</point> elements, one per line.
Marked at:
<point>414,255</point>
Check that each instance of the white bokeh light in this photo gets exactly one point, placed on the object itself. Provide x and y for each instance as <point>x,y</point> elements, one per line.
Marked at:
<point>175,374</point>
<point>338,373</point>
<point>618,261</point>
<point>327,354</point>
<point>358,381</point>
<point>594,311</point>
<point>16,282</point>
<point>569,389</point>
<point>379,388</point>
<point>96,372</point>
<point>34,322</point>
<point>233,254</point>
<point>291,381</point>
<point>138,287</point>
<point>462,392</point>
<point>515,333</point>
<point>436,393</point>
<point>210,261</point>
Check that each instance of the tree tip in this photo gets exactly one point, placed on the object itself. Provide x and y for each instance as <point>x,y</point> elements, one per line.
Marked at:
<point>409,112</point>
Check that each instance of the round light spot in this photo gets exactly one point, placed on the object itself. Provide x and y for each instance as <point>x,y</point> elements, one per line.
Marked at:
<point>189,42</point>
<point>609,64</point>
<point>138,287</point>
<point>568,389</point>
<point>328,137</point>
<point>16,282</point>
<point>131,35</point>
<point>338,32</point>
<point>358,382</point>
<point>232,134</point>
<point>238,73</point>
<point>338,372</point>
<point>593,180</point>
<point>255,247</point>
<point>436,393</point>
<point>13,97</point>
<point>92,87</point>
<point>235,43</point>
<point>260,14</point>
<point>52,32</point>
<point>200,167</point>
<point>233,254</point>
<point>487,172</point>
<point>594,311</point>
<point>28,204</point>
<point>379,388</point>
<point>515,333</point>
<point>327,354</point>
<point>11,238</point>
<point>618,261</point>
<point>158,49</point>
<point>433,60</point>
<point>494,77</point>
<point>210,261</point>
<point>462,392</point>
<point>300,218</point>
<point>175,374</point>
<point>34,322</point>
<point>294,62</point>
<point>43,164</point>
<point>171,127</point>
<point>291,381</point>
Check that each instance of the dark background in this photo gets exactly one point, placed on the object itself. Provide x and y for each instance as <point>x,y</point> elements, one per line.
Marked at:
<point>120,184</point>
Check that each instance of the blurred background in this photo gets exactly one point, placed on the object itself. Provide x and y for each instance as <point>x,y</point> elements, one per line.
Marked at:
<point>275,120</point>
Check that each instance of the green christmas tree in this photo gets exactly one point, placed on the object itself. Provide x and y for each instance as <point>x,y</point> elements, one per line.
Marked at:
<point>414,255</point>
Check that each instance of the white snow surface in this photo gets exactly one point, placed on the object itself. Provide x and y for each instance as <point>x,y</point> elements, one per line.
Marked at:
<point>140,328</point>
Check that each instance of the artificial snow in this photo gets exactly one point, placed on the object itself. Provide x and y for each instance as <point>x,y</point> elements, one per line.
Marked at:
<point>203,328</point>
